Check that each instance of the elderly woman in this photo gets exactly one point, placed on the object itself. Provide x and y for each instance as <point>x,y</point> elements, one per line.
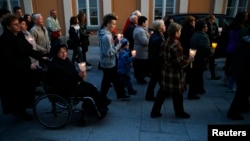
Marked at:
<point>172,64</point>
<point>155,41</point>
<point>141,40</point>
<point>18,72</point>
<point>63,77</point>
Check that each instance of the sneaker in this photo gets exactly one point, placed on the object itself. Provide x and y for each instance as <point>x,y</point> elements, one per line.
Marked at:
<point>149,98</point>
<point>155,115</point>
<point>124,98</point>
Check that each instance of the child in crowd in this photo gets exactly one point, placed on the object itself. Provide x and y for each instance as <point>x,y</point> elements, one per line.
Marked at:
<point>124,62</point>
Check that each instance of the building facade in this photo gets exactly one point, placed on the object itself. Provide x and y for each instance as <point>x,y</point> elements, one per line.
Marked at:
<point>96,9</point>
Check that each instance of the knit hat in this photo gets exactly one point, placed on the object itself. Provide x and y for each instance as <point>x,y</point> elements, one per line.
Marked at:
<point>124,42</point>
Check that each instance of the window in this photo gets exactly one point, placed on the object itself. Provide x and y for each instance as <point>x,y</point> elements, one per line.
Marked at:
<point>91,8</point>
<point>9,4</point>
<point>235,6</point>
<point>163,7</point>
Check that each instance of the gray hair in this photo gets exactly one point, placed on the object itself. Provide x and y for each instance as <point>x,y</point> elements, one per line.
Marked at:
<point>132,17</point>
<point>157,24</point>
<point>36,16</point>
<point>173,28</point>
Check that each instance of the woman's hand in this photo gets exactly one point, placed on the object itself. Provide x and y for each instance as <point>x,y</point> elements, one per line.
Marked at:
<point>83,74</point>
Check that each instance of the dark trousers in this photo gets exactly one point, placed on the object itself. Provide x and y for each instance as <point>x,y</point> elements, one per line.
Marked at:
<point>77,55</point>
<point>126,81</point>
<point>154,79</point>
<point>196,82</point>
<point>160,98</point>
<point>212,66</point>
<point>141,68</point>
<point>110,75</point>
<point>88,89</point>
<point>240,100</point>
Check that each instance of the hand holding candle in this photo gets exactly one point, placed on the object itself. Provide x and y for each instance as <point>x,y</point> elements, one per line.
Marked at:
<point>192,53</point>
<point>133,52</point>
<point>119,36</point>
<point>82,66</point>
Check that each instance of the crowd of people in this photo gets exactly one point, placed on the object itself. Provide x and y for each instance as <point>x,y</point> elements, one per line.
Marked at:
<point>163,55</point>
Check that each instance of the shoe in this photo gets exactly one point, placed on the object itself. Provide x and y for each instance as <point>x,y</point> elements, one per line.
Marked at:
<point>141,81</point>
<point>103,112</point>
<point>193,97</point>
<point>215,77</point>
<point>124,98</point>
<point>201,92</point>
<point>149,98</point>
<point>155,115</point>
<point>132,92</point>
<point>235,116</point>
<point>183,115</point>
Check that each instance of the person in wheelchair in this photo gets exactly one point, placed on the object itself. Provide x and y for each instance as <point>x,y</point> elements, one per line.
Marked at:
<point>64,78</point>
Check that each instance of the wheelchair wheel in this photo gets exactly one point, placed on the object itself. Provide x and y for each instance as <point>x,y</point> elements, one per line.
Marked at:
<point>52,111</point>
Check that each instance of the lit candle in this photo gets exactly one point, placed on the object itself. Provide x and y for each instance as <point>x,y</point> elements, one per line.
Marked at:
<point>219,29</point>
<point>214,45</point>
<point>192,53</point>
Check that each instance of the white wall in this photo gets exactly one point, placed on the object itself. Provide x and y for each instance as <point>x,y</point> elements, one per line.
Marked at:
<point>183,6</point>
<point>28,8</point>
<point>106,7</point>
<point>218,4</point>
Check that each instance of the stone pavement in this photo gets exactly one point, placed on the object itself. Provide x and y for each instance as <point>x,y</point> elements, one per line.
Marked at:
<point>130,120</point>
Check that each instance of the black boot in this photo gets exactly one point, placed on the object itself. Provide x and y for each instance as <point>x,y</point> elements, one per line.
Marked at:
<point>178,106</point>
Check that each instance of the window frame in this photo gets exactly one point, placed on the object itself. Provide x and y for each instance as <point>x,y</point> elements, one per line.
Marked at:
<point>235,7</point>
<point>9,6</point>
<point>88,8</point>
<point>163,8</point>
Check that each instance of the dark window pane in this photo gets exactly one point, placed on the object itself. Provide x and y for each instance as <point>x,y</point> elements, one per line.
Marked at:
<point>3,4</point>
<point>231,3</point>
<point>82,10</point>
<point>93,12</point>
<point>158,12</point>
<point>170,3</point>
<point>158,3</point>
<point>92,3</point>
<point>169,10</point>
<point>230,12</point>
<point>93,21</point>
<point>242,3</point>
<point>81,4</point>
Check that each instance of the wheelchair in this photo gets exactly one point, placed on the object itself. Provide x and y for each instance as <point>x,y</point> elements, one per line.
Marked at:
<point>55,111</point>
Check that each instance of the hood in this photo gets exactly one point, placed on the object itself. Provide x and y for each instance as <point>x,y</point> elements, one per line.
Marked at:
<point>102,32</point>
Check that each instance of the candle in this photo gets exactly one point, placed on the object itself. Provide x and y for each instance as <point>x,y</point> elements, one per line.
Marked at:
<point>219,29</point>
<point>192,53</point>
<point>214,45</point>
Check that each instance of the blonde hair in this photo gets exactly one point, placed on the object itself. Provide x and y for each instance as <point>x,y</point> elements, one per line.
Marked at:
<point>137,13</point>
<point>157,24</point>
